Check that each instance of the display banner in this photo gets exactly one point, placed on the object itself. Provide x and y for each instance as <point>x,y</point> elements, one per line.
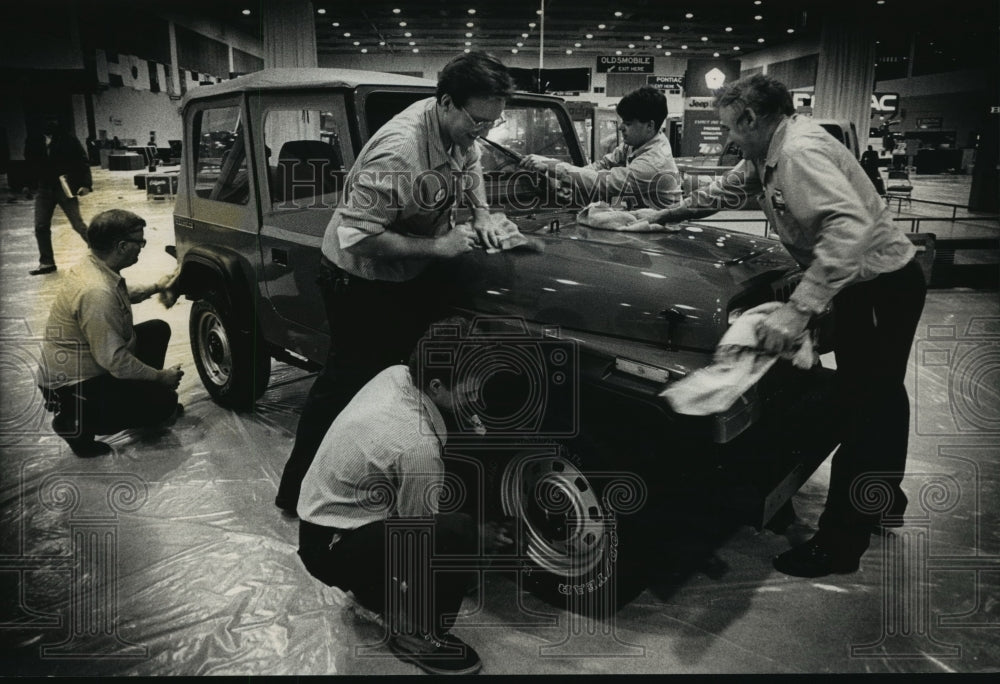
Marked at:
<point>703,134</point>
<point>624,64</point>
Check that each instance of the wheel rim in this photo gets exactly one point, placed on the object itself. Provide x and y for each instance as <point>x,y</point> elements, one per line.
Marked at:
<point>214,351</point>
<point>562,519</point>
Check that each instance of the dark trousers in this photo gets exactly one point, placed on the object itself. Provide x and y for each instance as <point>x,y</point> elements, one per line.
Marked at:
<point>874,323</point>
<point>45,204</point>
<point>106,404</point>
<point>373,324</point>
<point>381,564</point>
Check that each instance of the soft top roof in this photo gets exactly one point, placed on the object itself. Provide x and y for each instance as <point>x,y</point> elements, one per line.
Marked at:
<point>280,79</point>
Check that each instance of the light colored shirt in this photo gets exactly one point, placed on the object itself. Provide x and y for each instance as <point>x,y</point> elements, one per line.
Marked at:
<point>823,207</point>
<point>89,331</point>
<point>381,457</point>
<point>404,180</point>
<point>648,174</point>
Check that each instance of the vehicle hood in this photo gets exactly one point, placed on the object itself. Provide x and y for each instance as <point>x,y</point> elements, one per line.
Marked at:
<point>673,289</point>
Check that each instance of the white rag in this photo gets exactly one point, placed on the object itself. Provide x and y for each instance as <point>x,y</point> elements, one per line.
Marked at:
<point>603,216</point>
<point>737,365</point>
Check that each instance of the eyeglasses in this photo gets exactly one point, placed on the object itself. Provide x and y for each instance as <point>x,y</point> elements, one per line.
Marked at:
<point>140,242</point>
<point>482,125</point>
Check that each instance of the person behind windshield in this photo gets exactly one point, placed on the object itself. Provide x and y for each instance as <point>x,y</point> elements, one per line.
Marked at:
<point>640,172</point>
<point>394,221</point>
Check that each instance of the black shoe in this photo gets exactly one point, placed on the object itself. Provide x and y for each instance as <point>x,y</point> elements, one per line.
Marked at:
<point>42,270</point>
<point>436,655</point>
<point>88,447</point>
<point>811,559</point>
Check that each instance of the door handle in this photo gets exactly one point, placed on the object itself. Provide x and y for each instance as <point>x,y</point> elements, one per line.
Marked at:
<point>279,256</point>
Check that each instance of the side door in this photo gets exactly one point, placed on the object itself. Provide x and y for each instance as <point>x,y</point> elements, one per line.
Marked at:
<point>304,151</point>
<point>216,188</point>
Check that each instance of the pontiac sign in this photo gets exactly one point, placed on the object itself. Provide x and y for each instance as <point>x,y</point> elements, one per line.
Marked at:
<point>624,64</point>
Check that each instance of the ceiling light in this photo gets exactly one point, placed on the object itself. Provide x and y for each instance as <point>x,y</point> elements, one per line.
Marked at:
<point>589,36</point>
<point>514,50</point>
<point>524,35</point>
<point>357,43</point>
<point>689,16</point>
<point>631,45</point>
<point>538,12</point>
<point>466,50</point>
<point>600,26</point>
<point>667,53</point>
<point>347,34</point>
<point>472,11</point>
<point>646,37</point>
<point>413,42</point>
<point>519,44</point>
<point>468,35</point>
<point>416,49</point>
<point>659,46</point>
<point>756,2</point>
<point>618,52</point>
<point>736,47</point>
<point>396,11</point>
<point>577,45</point>
<point>757,17</point>
<point>791,30</point>
<point>618,14</point>
<point>729,29</point>
<point>335,24</point>
<point>531,25</point>
<point>246,12</point>
<point>381,43</point>
<point>715,54</point>
<point>760,40</point>
<point>469,24</point>
<point>402,23</point>
<point>666,28</point>
<point>407,34</point>
<point>684,47</point>
<point>704,38</point>
<point>468,43</point>
<point>569,52</point>
<point>321,11</point>
<point>879,2</point>
<point>364,50</point>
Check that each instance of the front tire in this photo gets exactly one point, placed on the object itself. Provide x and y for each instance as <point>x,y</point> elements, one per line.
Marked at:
<point>233,365</point>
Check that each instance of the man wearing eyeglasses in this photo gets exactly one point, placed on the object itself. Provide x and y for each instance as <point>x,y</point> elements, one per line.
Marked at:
<point>857,261</point>
<point>99,372</point>
<point>641,172</point>
<point>397,217</point>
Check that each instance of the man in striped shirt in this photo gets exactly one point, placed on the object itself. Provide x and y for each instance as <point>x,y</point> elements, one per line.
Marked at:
<point>372,495</point>
<point>394,221</point>
<point>640,172</point>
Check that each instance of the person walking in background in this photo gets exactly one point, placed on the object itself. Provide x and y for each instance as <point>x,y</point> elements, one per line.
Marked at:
<point>59,173</point>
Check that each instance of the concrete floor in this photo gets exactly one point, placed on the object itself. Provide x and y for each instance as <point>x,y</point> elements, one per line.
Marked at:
<point>190,570</point>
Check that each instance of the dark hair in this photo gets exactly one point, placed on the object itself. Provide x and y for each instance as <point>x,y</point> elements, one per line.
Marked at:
<point>766,96</point>
<point>474,74</point>
<point>451,330</point>
<point>643,104</point>
<point>111,226</point>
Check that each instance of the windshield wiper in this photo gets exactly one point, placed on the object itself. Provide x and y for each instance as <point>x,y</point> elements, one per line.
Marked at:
<point>510,154</point>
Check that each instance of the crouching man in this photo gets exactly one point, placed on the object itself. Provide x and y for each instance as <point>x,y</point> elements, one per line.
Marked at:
<point>99,372</point>
<point>376,478</point>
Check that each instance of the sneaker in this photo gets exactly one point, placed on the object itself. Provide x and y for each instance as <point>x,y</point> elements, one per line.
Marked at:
<point>436,655</point>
